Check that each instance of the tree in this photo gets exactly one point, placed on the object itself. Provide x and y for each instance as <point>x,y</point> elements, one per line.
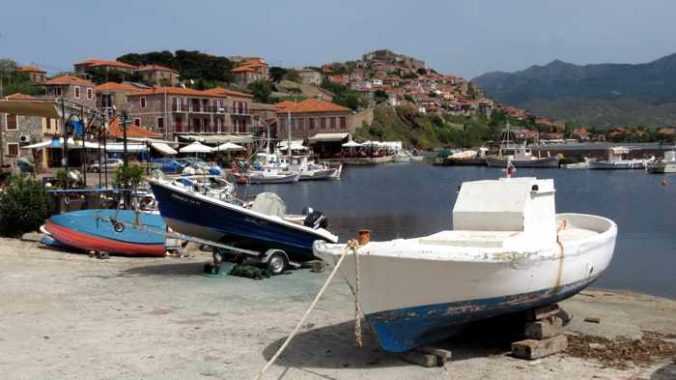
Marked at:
<point>277,73</point>
<point>24,206</point>
<point>380,96</point>
<point>261,90</point>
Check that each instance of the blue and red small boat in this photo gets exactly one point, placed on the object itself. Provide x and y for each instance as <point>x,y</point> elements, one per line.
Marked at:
<point>121,232</point>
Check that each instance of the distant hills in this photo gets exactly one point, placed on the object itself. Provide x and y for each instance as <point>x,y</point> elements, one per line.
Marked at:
<point>603,94</point>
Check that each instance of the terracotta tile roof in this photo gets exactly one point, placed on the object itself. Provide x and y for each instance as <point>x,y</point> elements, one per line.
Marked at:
<point>227,92</point>
<point>20,96</point>
<point>175,91</point>
<point>68,79</point>
<point>114,130</point>
<point>243,69</point>
<point>309,105</point>
<point>30,69</point>
<point>117,87</point>
<point>156,68</point>
<point>94,62</point>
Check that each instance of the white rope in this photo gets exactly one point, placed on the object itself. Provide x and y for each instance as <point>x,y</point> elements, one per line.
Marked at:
<point>357,308</point>
<point>351,245</point>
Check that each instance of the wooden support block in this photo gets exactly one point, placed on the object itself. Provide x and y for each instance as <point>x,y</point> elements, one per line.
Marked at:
<point>546,328</point>
<point>542,312</point>
<point>420,358</point>
<point>535,349</point>
<point>592,319</point>
<point>443,356</point>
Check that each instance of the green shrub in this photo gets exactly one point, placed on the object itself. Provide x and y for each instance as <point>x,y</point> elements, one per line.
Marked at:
<point>129,177</point>
<point>24,206</point>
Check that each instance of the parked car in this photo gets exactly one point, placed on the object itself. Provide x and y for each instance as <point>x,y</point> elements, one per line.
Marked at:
<point>167,165</point>
<point>109,164</point>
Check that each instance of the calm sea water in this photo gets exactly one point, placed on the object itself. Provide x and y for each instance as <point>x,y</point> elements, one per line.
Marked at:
<point>409,200</point>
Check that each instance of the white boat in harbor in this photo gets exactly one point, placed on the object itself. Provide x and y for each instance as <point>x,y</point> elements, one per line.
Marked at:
<point>519,156</point>
<point>508,252</point>
<point>617,161</point>
<point>665,165</point>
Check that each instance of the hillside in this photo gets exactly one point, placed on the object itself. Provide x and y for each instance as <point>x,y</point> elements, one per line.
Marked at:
<point>601,94</point>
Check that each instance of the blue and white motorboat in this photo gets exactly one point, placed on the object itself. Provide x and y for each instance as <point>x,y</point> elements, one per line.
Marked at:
<point>508,252</point>
<point>258,226</point>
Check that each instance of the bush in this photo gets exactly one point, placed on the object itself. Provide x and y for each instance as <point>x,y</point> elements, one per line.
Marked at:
<point>24,206</point>
<point>129,177</point>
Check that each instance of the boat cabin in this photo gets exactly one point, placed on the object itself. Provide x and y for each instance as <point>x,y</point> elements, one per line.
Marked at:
<point>524,205</point>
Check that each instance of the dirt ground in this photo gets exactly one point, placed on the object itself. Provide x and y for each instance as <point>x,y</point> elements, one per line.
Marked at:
<point>69,316</point>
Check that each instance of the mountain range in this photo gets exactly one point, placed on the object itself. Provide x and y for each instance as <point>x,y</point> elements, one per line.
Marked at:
<point>604,95</point>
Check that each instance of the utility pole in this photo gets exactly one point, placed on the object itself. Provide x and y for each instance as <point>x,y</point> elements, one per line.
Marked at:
<point>123,122</point>
<point>64,132</point>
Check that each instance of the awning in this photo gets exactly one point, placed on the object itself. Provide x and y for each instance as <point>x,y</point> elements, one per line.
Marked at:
<point>163,148</point>
<point>131,148</point>
<point>351,144</point>
<point>43,108</point>
<point>58,144</point>
<point>228,147</point>
<point>220,139</point>
<point>329,137</point>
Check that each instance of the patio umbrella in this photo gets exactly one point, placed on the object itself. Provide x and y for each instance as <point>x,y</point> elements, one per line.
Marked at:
<point>228,147</point>
<point>196,147</point>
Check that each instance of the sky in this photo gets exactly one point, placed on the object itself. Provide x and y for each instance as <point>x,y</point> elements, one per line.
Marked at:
<point>461,37</point>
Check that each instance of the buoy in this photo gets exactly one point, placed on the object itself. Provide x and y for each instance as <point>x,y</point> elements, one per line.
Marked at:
<point>664,182</point>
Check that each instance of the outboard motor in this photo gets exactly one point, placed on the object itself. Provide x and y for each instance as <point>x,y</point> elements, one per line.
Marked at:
<point>316,219</point>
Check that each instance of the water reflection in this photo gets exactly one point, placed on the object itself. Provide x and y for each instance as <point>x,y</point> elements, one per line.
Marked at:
<point>416,199</point>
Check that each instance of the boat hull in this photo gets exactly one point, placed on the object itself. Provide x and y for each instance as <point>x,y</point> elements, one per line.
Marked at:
<point>196,215</point>
<point>660,167</point>
<point>317,175</point>
<point>548,162</point>
<point>415,297</point>
<point>92,230</point>
<point>616,165</point>
<point>282,178</point>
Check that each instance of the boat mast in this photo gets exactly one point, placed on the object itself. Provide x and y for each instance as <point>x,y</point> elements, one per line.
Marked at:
<point>288,144</point>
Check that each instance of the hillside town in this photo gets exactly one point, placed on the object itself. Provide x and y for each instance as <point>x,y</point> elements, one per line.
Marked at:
<point>160,104</point>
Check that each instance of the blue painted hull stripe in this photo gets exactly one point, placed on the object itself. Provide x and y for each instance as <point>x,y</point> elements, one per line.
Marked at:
<point>405,329</point>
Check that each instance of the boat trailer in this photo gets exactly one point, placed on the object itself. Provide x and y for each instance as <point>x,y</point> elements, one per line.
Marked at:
<point>276,261</point>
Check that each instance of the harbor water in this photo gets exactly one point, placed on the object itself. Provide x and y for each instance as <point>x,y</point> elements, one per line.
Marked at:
<point>409,200</point>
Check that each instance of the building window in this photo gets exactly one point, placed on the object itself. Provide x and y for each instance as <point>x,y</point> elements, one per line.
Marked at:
<point>160,123</point>
<point>12,122</point>
<point>343,122</point>
<point>312,123</point>
<point>137,122</point>
<point>12,150</point>
<point>58,91</point>
<point>322,123</point>
<point>143,102</point>
<point>90,93</point>
<point>301,124</point>
<point>76,91</point>
<point>332,121</point>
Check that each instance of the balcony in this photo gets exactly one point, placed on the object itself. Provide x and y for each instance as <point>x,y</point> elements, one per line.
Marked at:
<point>202,109</point>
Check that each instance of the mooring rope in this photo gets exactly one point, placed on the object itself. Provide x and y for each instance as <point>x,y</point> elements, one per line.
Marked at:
<point>352,245</point>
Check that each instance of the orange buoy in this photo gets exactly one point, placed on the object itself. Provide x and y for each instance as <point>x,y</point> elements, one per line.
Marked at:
<point>664,182</point>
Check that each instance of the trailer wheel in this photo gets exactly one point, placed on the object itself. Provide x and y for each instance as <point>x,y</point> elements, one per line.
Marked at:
<point>276,263</point>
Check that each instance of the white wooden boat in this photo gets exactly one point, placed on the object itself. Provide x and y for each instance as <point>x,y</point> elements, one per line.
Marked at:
<point>617,161</point>
<point>508,252</point>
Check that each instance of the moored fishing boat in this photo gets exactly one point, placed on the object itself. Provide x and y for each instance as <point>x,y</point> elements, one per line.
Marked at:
<point>617,161</point>
<point>111,231</point>
<point>259,226</point>
<point>508,252</point>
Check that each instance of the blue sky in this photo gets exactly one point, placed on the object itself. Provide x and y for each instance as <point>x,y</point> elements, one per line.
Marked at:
<point>467,37</point>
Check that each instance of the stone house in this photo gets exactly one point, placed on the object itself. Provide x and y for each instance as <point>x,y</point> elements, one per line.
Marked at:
<point>251,70</point>
<point>74,89</point>
<point>112,94</point>
<point>313,116</point>
<point>35,74</point>
<point>310,76</point>
<point>83,66</point>
<point>174,111</point>
<point>159,75</point>
<point>19,130</point>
